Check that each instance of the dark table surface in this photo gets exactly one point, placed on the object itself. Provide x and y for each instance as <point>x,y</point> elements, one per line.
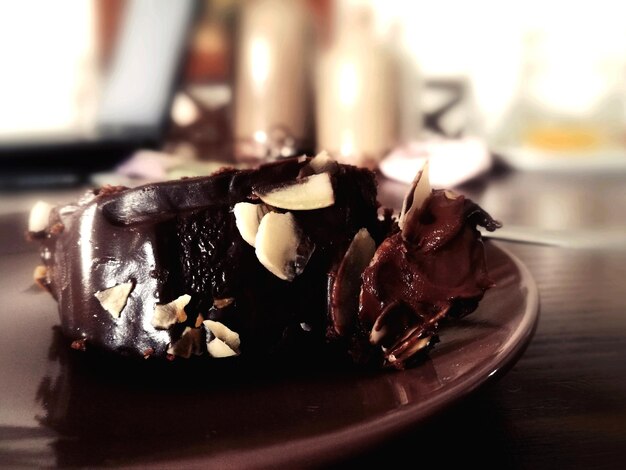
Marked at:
<point>563,405</point>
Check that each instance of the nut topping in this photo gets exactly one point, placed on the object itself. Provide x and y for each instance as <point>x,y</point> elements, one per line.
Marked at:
<point>40,276</point>
<point>344,295</point>
<point>321,163</point>
<point>415,197</point>
<point>189,343</point>
<point>221,340</point>
<point>165,315</point>
<point>281,246</point>
<point>113,299</point>
<point>247,218</point>
<point>39,217</point>
<point>451,194</point>
<point>308,193</point>
<point>218,349</point>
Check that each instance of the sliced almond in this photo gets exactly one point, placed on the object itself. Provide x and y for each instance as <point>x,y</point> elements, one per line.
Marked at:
<point>344,294</point>
<point>40,276</point>
<point>406,350</point>
<point>321,163</point>
<point>189,343</point>
<point>218,348</point>
<point>165,315</point>
<point>281,247</point>
<point>39,217</point>
<point>113,299</point>
<point>247,218</point>
<point>415,197</point>
<point>451,194</point>
<point>311,192</point>
<point>220,331</point>
<point>401,332</point>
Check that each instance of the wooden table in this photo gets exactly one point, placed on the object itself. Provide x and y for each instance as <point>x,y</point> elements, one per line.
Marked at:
<point>564,404</point>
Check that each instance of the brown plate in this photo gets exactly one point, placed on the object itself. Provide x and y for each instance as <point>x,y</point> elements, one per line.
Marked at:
<point>60,406</point>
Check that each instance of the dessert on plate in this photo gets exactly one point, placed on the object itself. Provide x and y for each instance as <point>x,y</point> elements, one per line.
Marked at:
<point>295,255</point>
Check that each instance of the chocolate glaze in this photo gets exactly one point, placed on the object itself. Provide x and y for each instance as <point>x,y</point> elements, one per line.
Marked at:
<point>180,237</point>
<point>437,264</point>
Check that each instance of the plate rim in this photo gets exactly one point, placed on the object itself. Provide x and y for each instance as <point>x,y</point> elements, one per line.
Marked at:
<point>347,441</point>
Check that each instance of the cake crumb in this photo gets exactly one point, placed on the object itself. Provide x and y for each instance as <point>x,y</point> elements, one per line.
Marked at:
<point>109,189</point>
<point>57,228</point>
<point>79,345</point>
<point>40,276</point>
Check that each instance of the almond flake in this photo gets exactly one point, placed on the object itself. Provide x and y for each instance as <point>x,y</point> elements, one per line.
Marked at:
<point>216,330</point>
<point>165,315</point>
<point>113,299</point>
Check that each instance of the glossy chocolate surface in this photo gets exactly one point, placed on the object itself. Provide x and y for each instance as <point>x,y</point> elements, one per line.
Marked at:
<point>438,264</point>
<point>180,237</point>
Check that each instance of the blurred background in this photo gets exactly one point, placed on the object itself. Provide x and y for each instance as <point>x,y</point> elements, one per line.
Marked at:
<point>129,91</point>
<point>519,104</point>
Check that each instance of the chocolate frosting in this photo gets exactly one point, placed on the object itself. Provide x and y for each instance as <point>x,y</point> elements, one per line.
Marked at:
<point>180,237</point>
<point>433,268</point>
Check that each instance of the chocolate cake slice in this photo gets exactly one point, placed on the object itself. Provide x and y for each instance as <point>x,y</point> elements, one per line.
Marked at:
<point>261,262</point>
